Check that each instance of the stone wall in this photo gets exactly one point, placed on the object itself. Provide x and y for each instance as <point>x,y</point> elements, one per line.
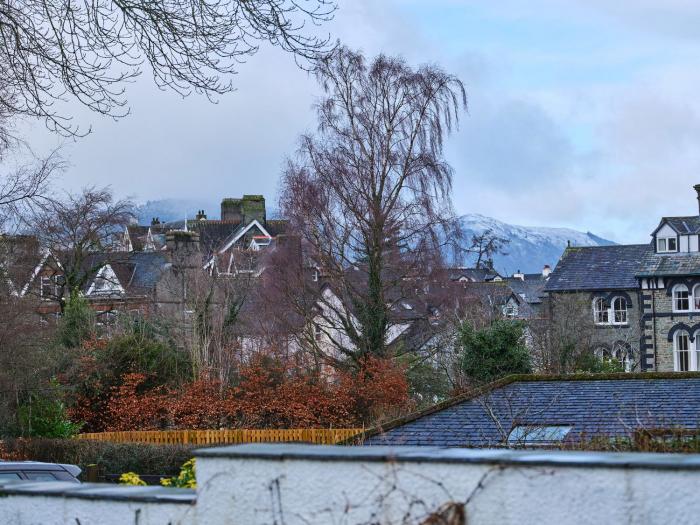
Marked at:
<point>658,322</point>
<point>575,309</point>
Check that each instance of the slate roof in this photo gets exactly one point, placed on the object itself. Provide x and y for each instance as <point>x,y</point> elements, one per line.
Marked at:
<point>598,268</point>
<point>591,406</point>
<point>684,225</point>
<point>669,264</point>
<point>531,289</point>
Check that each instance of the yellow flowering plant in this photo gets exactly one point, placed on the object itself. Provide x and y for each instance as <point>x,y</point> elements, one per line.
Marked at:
<point>185,479</point>
<point>131,478</point>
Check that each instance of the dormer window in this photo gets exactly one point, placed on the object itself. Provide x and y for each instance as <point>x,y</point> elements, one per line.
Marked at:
<point>666,244</point>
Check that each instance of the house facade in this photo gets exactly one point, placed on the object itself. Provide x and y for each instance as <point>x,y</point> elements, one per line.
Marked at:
<point>642,302</point>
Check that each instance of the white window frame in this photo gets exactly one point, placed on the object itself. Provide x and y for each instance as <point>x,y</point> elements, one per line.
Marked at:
<point>50,282</point>
<point>682,339</point>
<point>612,316</point>
<point>696,297</point>
<point>622,354</point>
<point>679,288</point>
<point>666,244</point>
<point>597,311</point>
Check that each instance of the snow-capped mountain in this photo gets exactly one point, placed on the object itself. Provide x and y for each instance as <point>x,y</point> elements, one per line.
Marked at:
<point>530,247</point>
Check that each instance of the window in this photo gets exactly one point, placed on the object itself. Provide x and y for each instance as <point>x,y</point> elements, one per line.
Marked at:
<point>696,296</point>
<point>623,355</point>
<point>49,287</point>
<point>666,244</point>
<point>681,299</point>
<point>619,310</point>
<point>318,333</point>
<point>510,310</point>
<point>601,353</point>
<point>41,476</point>
<point>9,475</point>
<point>601,311</point>
<point>538,434</point>
<point>682,351</point>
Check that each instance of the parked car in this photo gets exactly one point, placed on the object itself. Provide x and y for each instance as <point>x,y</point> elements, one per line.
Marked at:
<point>36,471</point>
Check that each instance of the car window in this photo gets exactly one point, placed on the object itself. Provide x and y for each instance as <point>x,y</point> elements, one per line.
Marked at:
<point>40,476</point>
<point>9,475</point>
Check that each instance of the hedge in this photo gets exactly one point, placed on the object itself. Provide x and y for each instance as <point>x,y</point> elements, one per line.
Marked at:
<point>115,458</point>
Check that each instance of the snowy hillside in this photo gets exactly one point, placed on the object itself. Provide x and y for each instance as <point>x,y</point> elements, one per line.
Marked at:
<point>530,248</point>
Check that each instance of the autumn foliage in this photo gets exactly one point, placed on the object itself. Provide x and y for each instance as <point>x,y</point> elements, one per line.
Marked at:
<point>268,394</point>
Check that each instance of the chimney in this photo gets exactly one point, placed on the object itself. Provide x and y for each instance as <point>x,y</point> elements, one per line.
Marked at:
<point>231,210</point>
<point>546,271</point>
<point>182,242</point>
<point>697,190</point>
<point>253,208</point>
<point>518,275</point>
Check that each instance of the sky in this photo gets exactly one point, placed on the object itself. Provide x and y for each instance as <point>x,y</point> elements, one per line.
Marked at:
<point>581,113</point>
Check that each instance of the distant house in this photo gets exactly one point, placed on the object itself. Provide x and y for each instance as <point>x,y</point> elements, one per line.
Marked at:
<point>552,410</point>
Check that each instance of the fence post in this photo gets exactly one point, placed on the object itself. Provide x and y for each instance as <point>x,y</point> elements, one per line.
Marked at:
<point>92,473</point>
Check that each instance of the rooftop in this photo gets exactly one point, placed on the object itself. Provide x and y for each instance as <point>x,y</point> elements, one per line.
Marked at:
<point>598,268</point>
<point>612,405</point>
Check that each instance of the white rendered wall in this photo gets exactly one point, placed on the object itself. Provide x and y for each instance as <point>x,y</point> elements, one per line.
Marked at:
<point>297,491</point>
<point>48,510</point>
<point>305,484</point>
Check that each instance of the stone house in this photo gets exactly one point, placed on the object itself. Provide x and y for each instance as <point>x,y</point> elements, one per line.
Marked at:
<point>642,301</point>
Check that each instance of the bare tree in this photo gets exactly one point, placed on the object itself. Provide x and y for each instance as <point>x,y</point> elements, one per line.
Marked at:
<point>25,185</point>
<point>484,246</point>
<point>52,51</point>
<point>74,230</point>
<point>370,192</point>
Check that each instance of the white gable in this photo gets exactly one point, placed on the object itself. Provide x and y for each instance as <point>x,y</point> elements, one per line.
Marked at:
<point>240,234</point>
<point>666,231</point>
<point>105,283</point>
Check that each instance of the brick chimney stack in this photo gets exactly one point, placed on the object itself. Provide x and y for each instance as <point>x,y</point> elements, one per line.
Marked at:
<point>697,190</point>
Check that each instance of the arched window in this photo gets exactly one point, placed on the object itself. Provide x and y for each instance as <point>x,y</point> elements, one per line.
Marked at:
<point>619,305</point>
<point>601,311</point>
<point>601,353</point>
<point>681,301</point>
<point>681,351</point>
<point>623,354</point>
<point>696,297</point>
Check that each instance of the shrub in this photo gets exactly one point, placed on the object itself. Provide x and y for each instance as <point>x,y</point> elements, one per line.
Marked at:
<point>44,415</point>
<point>115,458</point>
<point>495,351</point>
<point>186,479</point>
<point>77,323</point>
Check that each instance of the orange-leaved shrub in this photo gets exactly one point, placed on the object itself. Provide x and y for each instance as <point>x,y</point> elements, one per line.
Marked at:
<point>268,394</point>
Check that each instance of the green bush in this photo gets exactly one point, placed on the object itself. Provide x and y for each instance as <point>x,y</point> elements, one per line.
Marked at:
<point>495,351</point>
<point>115,458</point>
<point>42,416</point>
<point>77,323</point>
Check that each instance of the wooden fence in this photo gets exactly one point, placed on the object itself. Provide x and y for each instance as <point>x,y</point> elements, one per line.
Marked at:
<point>319,436</point>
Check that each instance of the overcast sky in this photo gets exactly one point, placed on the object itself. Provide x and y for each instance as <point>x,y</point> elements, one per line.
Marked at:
<point>581,114</point>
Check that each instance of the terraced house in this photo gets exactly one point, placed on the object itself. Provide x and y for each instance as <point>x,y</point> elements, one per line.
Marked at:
<point>642,301</point>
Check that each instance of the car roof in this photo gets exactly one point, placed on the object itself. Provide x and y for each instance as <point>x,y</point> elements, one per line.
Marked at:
<point>37,465</point>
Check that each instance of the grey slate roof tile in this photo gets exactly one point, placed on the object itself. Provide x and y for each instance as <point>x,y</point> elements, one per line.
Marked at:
<point>684,225</point>
<point>598,268</point>
<point>610,407</point>
<point>671,264</point>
